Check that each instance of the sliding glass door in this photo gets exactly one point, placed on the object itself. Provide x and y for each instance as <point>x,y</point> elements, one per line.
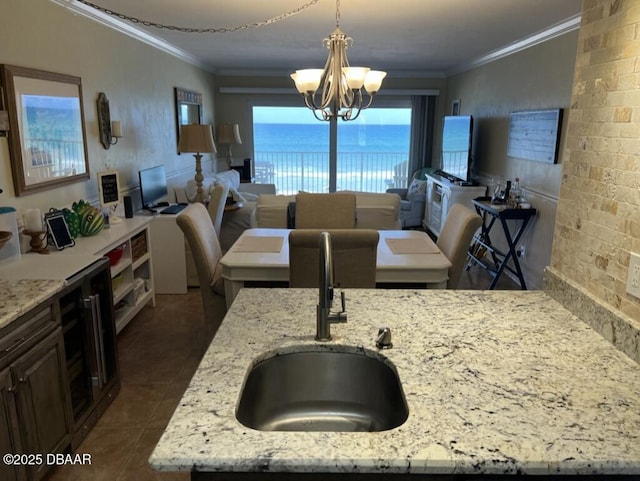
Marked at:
<point>297,152</point>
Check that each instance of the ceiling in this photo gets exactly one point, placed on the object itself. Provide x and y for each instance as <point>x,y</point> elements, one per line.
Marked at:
<point>404,37</point>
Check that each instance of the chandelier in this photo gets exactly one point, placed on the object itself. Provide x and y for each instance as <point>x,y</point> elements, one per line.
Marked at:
<point>340,85</point>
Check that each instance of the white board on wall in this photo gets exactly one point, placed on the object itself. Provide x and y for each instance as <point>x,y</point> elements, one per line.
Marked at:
<point>535,135</point>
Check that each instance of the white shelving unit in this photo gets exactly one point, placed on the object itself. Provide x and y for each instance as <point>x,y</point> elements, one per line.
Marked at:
<point>441,195</point>
<point>132,276</point>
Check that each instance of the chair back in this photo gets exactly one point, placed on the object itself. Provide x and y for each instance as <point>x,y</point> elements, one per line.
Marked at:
<point>455,238</point>
<point>354,253</point>
<point>195,223</point>
<point>216,206</point>
<point>325,211</point>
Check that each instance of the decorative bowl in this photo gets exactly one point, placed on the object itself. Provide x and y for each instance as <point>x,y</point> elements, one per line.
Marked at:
<point>5,236</point>
<point>115,255</point>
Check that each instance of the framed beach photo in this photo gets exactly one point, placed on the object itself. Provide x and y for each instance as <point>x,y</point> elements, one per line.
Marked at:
<point>47,139</point>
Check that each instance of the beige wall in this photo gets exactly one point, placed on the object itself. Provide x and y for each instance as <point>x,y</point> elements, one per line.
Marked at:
<point>539,77</point>
<point>137,79</point>
<point>236,107</point>
<point>598,221</point>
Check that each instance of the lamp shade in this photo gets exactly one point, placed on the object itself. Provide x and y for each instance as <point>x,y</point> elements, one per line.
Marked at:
<point>228,134</point>
<point>196,138</point>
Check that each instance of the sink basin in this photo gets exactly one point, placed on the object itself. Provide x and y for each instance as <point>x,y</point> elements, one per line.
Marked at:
<point>322,391</point>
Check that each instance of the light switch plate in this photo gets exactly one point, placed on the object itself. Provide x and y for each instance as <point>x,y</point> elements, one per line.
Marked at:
<point>633,277</point>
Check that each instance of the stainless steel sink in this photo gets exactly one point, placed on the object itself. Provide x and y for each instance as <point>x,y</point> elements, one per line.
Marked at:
<point>322,391</point>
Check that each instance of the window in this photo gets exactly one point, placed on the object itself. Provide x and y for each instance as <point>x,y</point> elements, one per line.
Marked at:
<point>294,150</point>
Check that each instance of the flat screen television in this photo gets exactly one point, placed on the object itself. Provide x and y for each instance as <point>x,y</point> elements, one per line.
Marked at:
<point>153,185</point>
<point>457,134</point>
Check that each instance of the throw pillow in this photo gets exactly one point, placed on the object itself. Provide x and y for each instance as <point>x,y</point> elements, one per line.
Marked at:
<point>417,187</point>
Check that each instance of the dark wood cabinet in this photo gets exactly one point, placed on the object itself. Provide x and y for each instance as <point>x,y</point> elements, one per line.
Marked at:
<point>10,441</point>
<point>42,400</point>
<point>58,372</point>
<point>34,392</point>
<point>87,319</point>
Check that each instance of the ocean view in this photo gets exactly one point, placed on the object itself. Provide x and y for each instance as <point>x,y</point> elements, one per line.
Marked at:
<point>296,156</point>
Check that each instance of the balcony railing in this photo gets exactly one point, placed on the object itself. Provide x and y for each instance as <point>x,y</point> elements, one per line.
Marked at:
<point>309,171</point>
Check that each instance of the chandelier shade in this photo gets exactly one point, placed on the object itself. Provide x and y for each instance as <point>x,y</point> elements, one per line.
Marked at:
<point>336,91</point>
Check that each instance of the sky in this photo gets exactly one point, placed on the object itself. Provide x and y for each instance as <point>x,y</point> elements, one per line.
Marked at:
<point>297,115</point>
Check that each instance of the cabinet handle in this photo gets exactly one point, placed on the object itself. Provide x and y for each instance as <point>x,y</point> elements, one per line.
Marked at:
<point>21,380</point>
<point>15,343</point>
<point>93,304</point>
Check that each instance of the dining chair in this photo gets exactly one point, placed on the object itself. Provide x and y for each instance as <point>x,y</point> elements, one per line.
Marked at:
<point>354,253</point>
<point>455,237</point>
<point>195,223</point>
<point>216,206</point>
<point>325,211</point>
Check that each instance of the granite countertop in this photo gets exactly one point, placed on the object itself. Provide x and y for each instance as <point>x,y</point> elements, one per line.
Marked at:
<point>495,381</point>
<point>17,297</point>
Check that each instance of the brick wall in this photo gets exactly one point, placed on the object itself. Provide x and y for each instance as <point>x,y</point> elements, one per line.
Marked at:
<point>598,216</point>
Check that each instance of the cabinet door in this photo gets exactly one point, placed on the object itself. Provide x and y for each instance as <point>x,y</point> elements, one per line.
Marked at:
<point>43,401</point>
<point>9,431</point>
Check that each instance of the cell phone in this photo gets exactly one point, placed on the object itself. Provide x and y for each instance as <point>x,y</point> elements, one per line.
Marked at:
<point>58,230</point>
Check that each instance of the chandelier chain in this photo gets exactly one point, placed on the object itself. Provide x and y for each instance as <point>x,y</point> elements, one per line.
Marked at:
<point>174,28</point>
<point>337,13</point>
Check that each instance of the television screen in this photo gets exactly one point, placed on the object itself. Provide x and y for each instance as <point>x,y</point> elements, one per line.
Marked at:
<point>153,185</point>
<point>457,133</point>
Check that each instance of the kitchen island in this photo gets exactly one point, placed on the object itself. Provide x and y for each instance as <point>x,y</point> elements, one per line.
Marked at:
<point>496,382</point>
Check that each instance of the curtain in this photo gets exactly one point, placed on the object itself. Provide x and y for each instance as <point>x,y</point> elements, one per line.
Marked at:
<point>422,126</point>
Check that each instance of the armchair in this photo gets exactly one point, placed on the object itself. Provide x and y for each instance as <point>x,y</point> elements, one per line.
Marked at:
<point>412,203</point>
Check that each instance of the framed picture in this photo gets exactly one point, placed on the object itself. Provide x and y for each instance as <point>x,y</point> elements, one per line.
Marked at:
<point>535,135</point>
<point>47,139</point>
<point>109,188</point>
<point>188,109</point>
<point>455,107</point>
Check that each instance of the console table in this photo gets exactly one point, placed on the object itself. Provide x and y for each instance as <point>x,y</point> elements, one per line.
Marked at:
<point>491,213</point>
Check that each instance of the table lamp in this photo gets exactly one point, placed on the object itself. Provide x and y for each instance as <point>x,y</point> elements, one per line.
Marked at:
<point>228,134</point>
<point>197,138</point>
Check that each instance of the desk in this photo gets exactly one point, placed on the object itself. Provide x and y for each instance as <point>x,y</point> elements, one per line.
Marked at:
<point>240,266</point>
<point>490,213</point>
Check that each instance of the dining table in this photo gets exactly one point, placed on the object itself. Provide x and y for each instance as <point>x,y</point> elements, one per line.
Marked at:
<point>404,257</point>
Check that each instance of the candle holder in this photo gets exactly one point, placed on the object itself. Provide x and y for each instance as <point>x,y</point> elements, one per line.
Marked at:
<point>36,241</point>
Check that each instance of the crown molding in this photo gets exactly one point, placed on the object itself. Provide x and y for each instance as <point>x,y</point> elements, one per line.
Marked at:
<point>291,91</point>
<point>566,26</point>
<point>130,30</point>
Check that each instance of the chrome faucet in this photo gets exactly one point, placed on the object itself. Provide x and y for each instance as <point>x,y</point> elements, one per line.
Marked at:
<point>324,315</point>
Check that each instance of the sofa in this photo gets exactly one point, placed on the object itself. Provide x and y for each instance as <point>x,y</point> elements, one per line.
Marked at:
<point>380,211</point>
<point>234,222</point>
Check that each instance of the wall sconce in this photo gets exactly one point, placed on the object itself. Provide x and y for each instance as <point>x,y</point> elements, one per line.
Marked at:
<point>228,134</point>
<point>110,131</point>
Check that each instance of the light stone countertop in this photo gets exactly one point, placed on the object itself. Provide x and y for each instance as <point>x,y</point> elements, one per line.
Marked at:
<point>17,297</point>
<point>495,381</point>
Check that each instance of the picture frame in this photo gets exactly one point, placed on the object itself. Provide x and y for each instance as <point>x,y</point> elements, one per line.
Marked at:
<point>455,107</point>
<point>109,188</point>
<point>188,109</point>
<point>47,137</point>
<point>535,135</point>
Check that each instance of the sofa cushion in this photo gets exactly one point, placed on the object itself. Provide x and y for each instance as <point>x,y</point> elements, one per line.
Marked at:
<point>376,210</point>
<point>271,210</point>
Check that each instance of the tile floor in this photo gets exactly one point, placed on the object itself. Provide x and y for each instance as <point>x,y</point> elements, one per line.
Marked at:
<point>159,352</point>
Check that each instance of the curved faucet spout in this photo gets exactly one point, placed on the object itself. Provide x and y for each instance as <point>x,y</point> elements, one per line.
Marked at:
<point>324,316</point>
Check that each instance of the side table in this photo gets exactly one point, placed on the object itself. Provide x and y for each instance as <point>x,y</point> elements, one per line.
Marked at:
<point>491,213</point>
